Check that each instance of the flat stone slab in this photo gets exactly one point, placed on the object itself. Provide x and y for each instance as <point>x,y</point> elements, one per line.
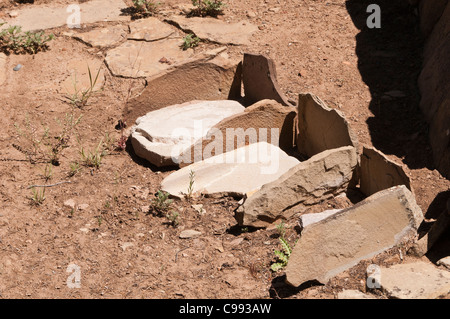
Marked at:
<point>104,37</point>
<point>145,59</point>
<point>234,173</point>
<point>309,219</point>
<point>46,17</point>
<point>444,262</point>
<point>419,280</point>
<point>319,178</point>
<point>215,30</point>
<point>339,242</point>
<point>163,135</point>
<point>150,29</point>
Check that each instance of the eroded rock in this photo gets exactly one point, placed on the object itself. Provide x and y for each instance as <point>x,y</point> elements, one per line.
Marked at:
<point>321,177</point>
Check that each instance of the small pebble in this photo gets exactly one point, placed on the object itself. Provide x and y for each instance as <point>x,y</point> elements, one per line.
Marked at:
<point>17,67</point>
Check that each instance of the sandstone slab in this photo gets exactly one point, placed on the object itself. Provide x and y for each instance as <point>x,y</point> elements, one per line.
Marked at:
<point>321,128</point>
<point>419,280</point>
<point>259,78</point>
<point>150,29</point>
<point>353,294</point>
<point>445,262</point>
<point>378,172</point>
<point>199,80</point>
<point>310,219</point>
<point>161,136</point>
<point>337,243</point>
<point>234,173</point>
<point>265,121</point>
<point>143,59</point>
<point>43,17</point>
<point>321,177</point>
<point>103,37</point>
<point>215,30</point>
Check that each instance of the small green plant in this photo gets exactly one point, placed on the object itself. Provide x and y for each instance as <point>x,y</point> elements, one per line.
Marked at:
<point>74,168</point>
<point>282,255</point>
<point>93,158</point>
<point>190,189</point>
<point>80,97</point>
<point>144,8</point>
<point>12,39</point>
<point>48,172</point>
<point>161,203</point>
<point>40,145</point>
<point>38,196</point>
<point>172,216</point>
<point>190,41</point>
<point>204,8</point>
<point>281,228</point>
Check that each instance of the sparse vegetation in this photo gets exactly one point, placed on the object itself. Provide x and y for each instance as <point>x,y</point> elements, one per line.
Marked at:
<point>282,256</point>
<point>205,8</point>
<point>144,8</point>
<point>190,41</point>
<point>80,97</point>
<point>13,39</point>
<point>161,204</point>
<point>173,216</point>
<point>40,145</point>
<point>93,158</point>
<point>38,196</point>
<point>190,189</point>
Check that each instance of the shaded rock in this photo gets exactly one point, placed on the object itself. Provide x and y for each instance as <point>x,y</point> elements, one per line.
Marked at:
<point>440,226</point>
<point>200,80</point>
<point>433,81</point>
<point>42,17</point>
<point>265,121</point>
<point>321,128</point>
<point>419,280</point>
<point>309,219</point>
<point>259,79</point>
<point>163,135</point>
<point>215,30</point>
<point>233,173</point>
<point>337,243</point>
<point>430,12</point>
<point>378,172</point>
<point>150,29</point>
<point>444,262</point>
<point>321,177</point>
<point>104,37</point>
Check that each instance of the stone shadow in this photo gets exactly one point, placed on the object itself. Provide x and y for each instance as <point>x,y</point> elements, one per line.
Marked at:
<point>390,61</point>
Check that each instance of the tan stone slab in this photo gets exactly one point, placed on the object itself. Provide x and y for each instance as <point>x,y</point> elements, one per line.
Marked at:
<point>103,37</point>
<point>150,29</point>
<point>419,280</point>
<point>321,177</point>
<point>339,242</point>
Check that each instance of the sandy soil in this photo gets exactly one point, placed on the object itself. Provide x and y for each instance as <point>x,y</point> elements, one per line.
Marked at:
<point>125,252</point>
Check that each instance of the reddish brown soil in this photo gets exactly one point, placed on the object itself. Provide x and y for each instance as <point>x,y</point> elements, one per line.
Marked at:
<point>317,47</point>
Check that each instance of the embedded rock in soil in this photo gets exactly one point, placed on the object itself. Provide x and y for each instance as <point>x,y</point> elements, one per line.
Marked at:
<point>418,280</point>
<point>215,30</point>
<point>234,173</point>
<point>150,29</point>
<point>337,243</point>
<point>104,37</point>
<point>323,176</point>
<point>43,17</point>
<point>163,135</point>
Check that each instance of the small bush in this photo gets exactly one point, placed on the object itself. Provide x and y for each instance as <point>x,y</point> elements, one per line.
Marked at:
<point>144,8</point>
<point>12,39</point>
<point>190,41</point>
<point>161,203</point>
<point>205,8</point>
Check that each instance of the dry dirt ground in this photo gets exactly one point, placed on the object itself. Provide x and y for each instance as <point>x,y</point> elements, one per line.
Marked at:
<point>122,250</point>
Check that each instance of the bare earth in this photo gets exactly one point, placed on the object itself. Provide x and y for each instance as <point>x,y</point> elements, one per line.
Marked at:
<point>125,252</point>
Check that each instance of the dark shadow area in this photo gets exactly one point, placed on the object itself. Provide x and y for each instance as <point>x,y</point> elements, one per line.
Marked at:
<point>390,61</point>
<point>437,207</point>
<point>280,289</point>
<point>237,230</point>
<point>441,248</point>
